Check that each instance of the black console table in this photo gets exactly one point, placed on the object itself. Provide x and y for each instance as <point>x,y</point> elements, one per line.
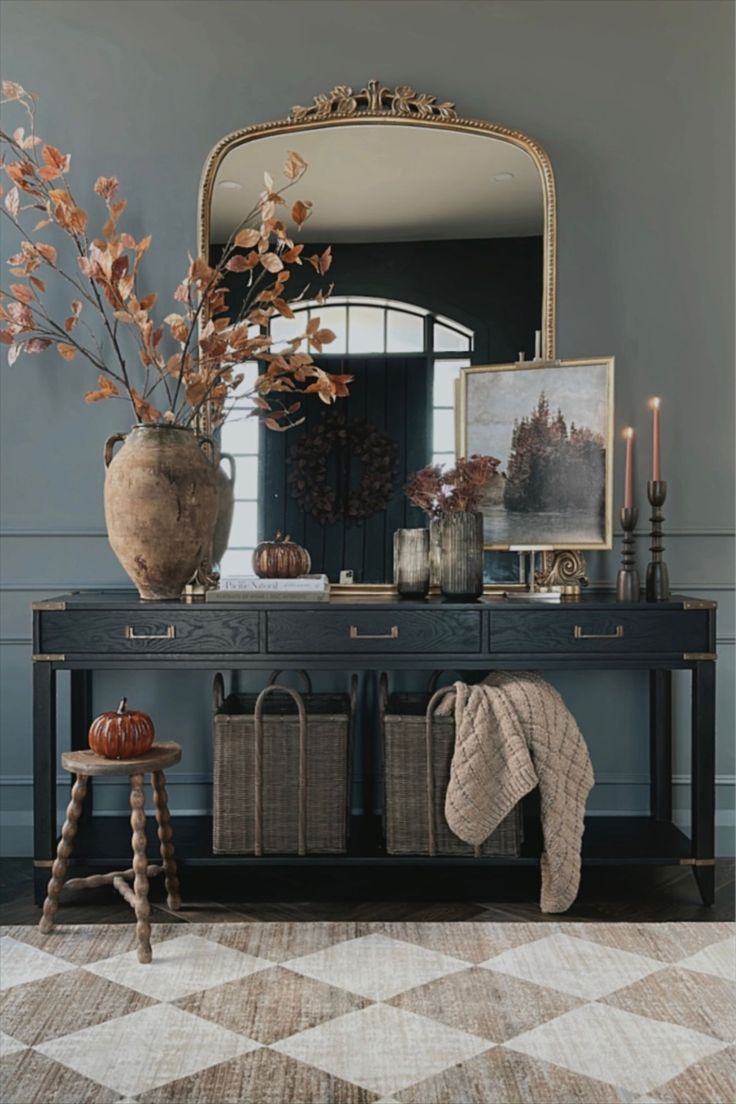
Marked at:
<point>102,630</point>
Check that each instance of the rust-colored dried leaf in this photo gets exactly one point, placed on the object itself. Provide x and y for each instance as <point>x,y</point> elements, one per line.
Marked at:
<point>67,351</point>
<point>37,283</point>
<point>13,91</point>
<point>107,390</point>
<point>300,212</point>
<point>37,345</point>
<point>48,252</point>
<point>294,165</point>
<point>321,262</point>
<point>106,186</point>
<point>22,293</point>
<point>247,238</point>
<point>291,256</point>
<point>282,307</point>
<point>73,318</point>
<point>145,410</point>
<point>271,262</point>
<point>12,202</point>
<point>242,263</point>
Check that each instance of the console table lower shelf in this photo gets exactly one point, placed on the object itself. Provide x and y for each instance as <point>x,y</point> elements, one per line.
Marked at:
<point>640,840</point>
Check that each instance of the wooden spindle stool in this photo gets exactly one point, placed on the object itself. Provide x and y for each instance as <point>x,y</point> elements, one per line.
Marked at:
<point>85,764</point>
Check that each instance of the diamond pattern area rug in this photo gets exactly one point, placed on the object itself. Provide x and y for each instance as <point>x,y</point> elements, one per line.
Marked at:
<point>319,1013</point>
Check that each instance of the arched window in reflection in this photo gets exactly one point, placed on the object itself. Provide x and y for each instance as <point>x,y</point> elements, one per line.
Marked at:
<point>364,328</point>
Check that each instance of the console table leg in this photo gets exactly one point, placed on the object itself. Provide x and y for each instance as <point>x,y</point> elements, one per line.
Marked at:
<point>660,745</point>
<point>81,718</point>
<point>703,772</point>
<point>44,775</point>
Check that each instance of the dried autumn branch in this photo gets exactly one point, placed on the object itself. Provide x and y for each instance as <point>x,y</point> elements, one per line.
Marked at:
<point>455,490</point>
<point>193,357</point>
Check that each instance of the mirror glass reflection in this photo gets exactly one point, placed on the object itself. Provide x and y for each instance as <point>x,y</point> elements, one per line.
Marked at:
<point>437,244</point>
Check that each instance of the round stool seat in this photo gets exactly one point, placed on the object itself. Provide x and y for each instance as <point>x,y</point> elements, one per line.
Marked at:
<point>157,758</point>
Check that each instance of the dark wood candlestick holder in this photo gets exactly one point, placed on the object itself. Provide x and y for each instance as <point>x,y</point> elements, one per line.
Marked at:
<point>658,582</point>
<point>628,583</point>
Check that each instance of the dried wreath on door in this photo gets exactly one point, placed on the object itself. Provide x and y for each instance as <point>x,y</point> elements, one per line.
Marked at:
<point>348,443</point>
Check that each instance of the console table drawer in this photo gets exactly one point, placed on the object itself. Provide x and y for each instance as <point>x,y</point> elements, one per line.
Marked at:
<point>587,631</point>
<point>389,631</point>
<point>142,632</point>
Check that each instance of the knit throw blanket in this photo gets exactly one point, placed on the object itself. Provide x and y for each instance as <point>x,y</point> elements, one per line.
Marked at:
<point>513,732</point>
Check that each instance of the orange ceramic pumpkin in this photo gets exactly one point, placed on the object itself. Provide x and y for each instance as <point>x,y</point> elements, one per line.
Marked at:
<point>121,735</point>
<point>281,558</point>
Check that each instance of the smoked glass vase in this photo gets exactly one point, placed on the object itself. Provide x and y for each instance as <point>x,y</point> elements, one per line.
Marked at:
<point>411,562</point>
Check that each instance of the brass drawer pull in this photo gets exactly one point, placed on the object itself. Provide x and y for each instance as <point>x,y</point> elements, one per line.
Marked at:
<point>580,635</point>
<point>131,634</point>
<point>356,634</point>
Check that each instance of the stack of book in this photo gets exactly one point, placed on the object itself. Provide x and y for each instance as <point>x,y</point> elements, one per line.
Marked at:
<point>249,588</point>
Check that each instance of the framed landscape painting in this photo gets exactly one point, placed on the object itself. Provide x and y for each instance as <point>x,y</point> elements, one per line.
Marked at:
<point>550,424</point>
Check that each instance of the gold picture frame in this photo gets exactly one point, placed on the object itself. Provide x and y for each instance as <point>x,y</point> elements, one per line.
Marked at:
<point>463,445</point>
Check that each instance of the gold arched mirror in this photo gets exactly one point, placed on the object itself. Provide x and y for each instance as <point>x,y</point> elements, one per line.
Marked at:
<point>442,232</point>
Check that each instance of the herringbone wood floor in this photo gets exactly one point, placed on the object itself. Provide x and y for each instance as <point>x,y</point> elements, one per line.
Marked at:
<point>648,894</point>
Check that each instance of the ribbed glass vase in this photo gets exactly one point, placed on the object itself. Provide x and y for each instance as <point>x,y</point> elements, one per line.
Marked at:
<point>461,564</point>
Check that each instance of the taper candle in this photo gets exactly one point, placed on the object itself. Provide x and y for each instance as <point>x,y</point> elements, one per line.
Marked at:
<point>629,470</point>
<point>656,467</point>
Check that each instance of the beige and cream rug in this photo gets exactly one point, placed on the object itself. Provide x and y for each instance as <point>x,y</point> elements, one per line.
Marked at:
<point>368,1013</point>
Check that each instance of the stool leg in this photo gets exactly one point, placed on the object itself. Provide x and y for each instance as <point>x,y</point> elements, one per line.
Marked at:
<point>63,853</point>
<point>166,840</point>
<point>140,867</point>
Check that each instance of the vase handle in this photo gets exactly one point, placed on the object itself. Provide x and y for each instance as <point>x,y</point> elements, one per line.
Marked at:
<point>205,443</point>
<point>231,464</point>
<point>110,445</point>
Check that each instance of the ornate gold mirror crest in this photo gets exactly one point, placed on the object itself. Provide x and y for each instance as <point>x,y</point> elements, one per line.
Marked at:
<point>391,107</point>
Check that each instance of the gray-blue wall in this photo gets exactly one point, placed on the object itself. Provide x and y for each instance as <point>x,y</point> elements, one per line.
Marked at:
<point>632,100</point>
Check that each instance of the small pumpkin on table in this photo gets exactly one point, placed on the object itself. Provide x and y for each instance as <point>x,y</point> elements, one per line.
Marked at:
<point>281,558</point>
<point>122,733</point>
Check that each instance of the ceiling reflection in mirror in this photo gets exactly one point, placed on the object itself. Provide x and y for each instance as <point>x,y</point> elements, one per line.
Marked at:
<point>439,242</point>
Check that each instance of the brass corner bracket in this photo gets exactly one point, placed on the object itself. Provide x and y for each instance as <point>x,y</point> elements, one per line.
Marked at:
<point>697,862</point>
<point>48,657</point>
<point>697,656</point>
<point>48,605</point>
<point>375,99</point>
<point>699,603</point>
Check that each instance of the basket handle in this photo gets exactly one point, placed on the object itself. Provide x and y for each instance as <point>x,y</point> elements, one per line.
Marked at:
<point>434,701</point>
<point>258,765</point>
<point>218,692</point>
<point>434,678</point>
<point>303,675</point>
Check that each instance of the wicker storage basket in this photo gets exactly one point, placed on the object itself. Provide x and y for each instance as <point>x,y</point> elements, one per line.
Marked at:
<point>281,771</point>
<point>414,805</point>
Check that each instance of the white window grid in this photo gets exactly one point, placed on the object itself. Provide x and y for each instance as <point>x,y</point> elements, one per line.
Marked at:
<point>364,326</point>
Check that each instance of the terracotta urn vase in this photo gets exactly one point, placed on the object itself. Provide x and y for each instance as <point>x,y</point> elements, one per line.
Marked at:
<point>161,501</point>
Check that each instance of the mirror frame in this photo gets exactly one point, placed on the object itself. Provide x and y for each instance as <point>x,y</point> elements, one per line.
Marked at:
<point>378,103</point>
